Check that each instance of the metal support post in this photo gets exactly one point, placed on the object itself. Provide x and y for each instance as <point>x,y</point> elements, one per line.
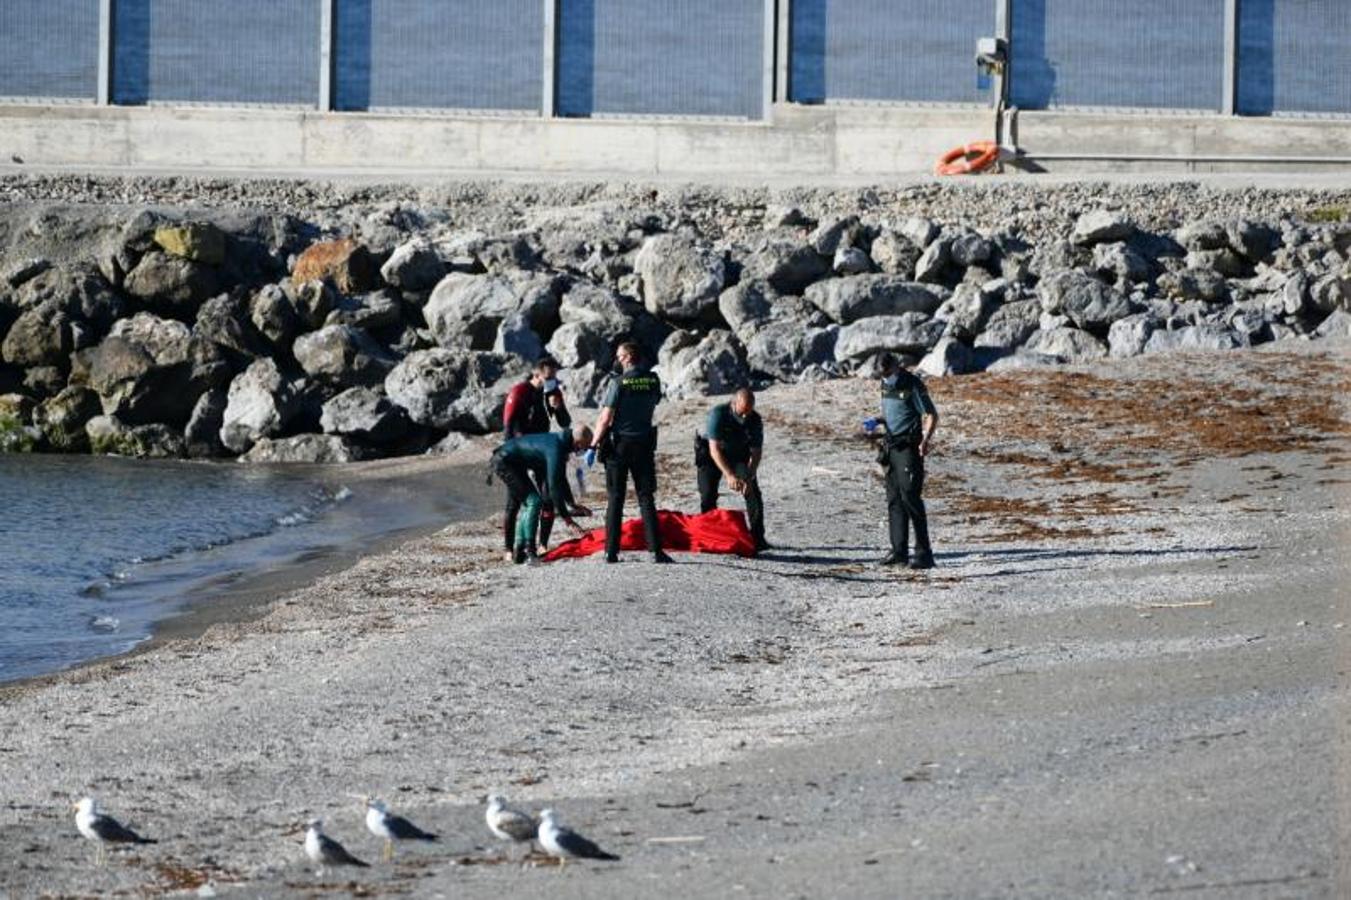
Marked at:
<point>1229,103</point>
<point>327,34</point>
<point>783,28</point>
<point>104,97</point>
<point>768,69</point>
<point>1003,30</point>
<point>549,94</point>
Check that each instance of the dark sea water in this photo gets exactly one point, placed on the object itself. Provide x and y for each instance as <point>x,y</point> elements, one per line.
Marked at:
<point>94,551</point>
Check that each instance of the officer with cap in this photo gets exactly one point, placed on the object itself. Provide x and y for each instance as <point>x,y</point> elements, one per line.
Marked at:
<point>626,441</point>
<point>519,458</point>
<point>910,418</point>
<point>732,448</point>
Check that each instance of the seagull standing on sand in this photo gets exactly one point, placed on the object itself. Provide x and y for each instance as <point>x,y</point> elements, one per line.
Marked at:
<point>392,828</point>
<point>564,843</point>
<point>103,829</point>
<point>325,851</point>
<point>509,823</point>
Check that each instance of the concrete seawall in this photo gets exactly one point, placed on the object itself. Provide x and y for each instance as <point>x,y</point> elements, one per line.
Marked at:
<point>811,141</point>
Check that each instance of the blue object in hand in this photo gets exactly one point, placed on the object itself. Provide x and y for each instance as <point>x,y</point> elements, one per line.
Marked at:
<point>590,457</point>
<point>870,424</point>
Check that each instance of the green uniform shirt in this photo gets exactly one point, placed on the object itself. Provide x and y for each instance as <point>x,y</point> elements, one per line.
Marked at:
<point>633,396</point>
<point>905,405</point>
<point>739,436</point>
<point>545,453</point>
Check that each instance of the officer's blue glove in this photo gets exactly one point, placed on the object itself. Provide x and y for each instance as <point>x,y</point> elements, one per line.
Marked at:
<point>590,457</point>
<point>870,425</point>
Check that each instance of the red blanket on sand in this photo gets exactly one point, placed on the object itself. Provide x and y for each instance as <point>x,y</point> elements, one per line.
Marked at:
<point>718,531</point>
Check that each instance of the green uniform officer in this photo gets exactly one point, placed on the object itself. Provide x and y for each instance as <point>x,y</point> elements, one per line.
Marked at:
<point>515,462</point>
<point>910,419</point>
<point>735,437</point>
<point>626,441</point>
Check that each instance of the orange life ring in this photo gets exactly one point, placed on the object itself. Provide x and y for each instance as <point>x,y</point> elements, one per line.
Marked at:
<point>976,156</point>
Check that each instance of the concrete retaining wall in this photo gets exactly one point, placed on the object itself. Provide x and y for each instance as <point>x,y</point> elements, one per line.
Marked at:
<point>820,142</point>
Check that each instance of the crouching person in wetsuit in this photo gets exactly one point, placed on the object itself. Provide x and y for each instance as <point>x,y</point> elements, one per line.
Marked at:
<point>532,407</point>
<point>516,460</point>
<point>626,442</point>
<point>732,448</point>
<point>910,418</point>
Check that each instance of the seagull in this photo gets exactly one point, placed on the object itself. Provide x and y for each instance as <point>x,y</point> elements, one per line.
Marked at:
<point>564,843</point>
<point>509,823</point>
<point>103,829</point>
<point>392,828</point>
<point>325,851</point>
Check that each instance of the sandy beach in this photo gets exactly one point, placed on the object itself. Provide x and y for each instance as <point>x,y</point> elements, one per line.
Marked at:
<point>1125,677</point>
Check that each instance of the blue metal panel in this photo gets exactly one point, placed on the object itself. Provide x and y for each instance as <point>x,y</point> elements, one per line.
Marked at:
<point>661,57</point>
<point>49,48</point>
<point>207,51</point>
<point>1293,56</point>
<point>889,50</point>
<point>458,54</point>
<point>1163,54</point>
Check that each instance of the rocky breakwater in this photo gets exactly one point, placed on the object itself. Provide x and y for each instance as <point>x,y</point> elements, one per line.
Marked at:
<point>267,337</point>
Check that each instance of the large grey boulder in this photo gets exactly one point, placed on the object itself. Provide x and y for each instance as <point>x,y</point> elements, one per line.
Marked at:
<point>202,433</point>
<point>1010,325</point>
<point>516,336</point>
<point>366,415</point>
<point>948,357</point>
<point>414,266</point>
<point>578,343</point>
<point>747,303</point>
<point>600,309</point>
<point>261,402</point>
<point>919,231</point>
<point>967,249</point>
<point>1224,261</point>
<point>342,356</point>
<point>302,448</point>
<point>851,261</point>
<point>462,390</point>
<point>376,311</point>
<point>1252,240</point>
<point>894,254</point>
<point>274,315</point>
<point>1202,235</point>
<point>1203,336</point>
<point>109,435</point>
<point>1069,344</point>
<point>81,292</point>
<point>1086,301</point>
<point>846,300</point>
<point>1127,337</point>
<point>784,348</point>
<point>1194,284</point>
<point>911,333</point>
<point>313,301</point>
<point>1337,324</point>
<point>62,418</point>
<point>42,336</point>
<point>784,261</point>
<point>711,366</point>
<point>681,278</point>
<point>466,311</point>
<point>967,311</point>
<point>223,321</point>
<point>151,369</point>
<point>1101,226</point>
<point>1332,292</point>
<point>1121,262</point>
<point>172,285</point>
<point>832,233</point>
<point>932,265</point>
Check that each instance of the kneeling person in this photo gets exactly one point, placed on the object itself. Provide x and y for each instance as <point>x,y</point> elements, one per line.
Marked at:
<point>548,454</point>
<point>736,440</point>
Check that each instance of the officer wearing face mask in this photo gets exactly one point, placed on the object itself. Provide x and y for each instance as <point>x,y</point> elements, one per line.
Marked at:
<point>910,419</point>
<point>532,407</point>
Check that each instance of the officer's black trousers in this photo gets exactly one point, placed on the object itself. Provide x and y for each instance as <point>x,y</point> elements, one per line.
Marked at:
<point>636,457</point>
<point>710,477</point>
<point>513,507</point>
<point>905,506</point>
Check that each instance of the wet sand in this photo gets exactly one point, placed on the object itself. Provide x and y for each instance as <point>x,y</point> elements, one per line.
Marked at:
<point>1125,677</point>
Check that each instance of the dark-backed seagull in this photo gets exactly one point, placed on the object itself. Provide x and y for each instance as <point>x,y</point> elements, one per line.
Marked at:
<point>564,843</point>
<point>392,828</point>
<point>103,829</point>
<point>509,823</point>
<point>325,851</point>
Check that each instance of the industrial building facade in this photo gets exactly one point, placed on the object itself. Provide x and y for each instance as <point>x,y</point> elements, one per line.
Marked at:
<point>725,59</point>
